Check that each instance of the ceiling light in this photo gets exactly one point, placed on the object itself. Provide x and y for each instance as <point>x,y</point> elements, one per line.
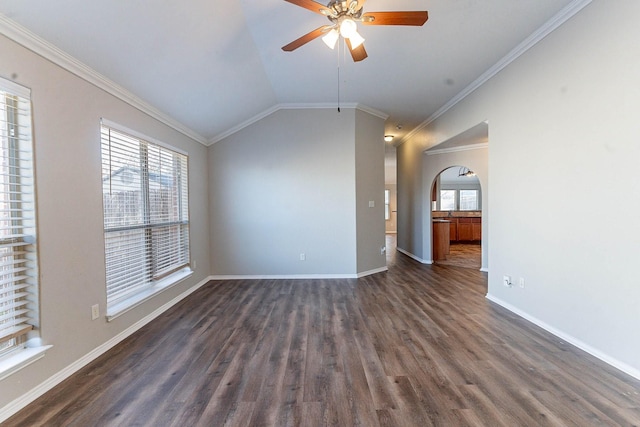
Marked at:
<point>466,172</point>
<point>331,38</point>
<point>388,138</point>
<point>348,28</point>
<point>356,40</point>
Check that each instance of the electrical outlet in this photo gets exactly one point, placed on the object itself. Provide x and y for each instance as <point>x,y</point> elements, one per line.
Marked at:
<point>506,280</point>
<point>521,282</point>
<point>303,256</point>
<point>95,311</point>
<point>383,249</point>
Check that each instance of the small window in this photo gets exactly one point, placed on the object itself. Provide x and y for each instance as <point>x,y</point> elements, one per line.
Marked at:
<point>18,255</point>
<point>447,200</point>
<point>146,220</point>
<point>387,211</point>
<point>468,200</point>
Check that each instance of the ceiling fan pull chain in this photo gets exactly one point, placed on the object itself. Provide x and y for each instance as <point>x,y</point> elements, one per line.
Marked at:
<point>339,46</point>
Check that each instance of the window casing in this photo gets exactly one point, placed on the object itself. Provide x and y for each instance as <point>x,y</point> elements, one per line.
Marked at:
<point>146,218</point>
<point>18,254</point>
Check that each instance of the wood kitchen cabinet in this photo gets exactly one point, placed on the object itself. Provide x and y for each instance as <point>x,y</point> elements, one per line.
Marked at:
<point>463,228</point>
<point>476,229</point>
<point>441,239</point>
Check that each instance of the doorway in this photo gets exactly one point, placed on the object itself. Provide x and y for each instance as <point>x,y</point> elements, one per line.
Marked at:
<point>456,216</point>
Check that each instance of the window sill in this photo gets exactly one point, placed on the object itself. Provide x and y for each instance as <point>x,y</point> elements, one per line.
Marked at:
<point>19,359</point>
<point>132,302</point>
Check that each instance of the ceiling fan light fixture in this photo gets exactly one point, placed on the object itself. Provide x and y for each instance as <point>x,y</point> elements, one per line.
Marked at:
<point>356,40</point>
<point>331,38</point>
<point>348,28</point>
<point>464,171</point>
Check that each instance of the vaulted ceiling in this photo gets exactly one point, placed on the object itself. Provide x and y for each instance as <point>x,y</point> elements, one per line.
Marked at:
<point>214,66</point>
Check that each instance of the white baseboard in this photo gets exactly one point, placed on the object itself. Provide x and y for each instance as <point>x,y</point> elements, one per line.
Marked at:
<point>484,269</point>
<point>630,370</point>
<point>296,276</point>
<point>282,276</point>
<point>374,271</point>
<point>410,255</point>
<point>22,401</point>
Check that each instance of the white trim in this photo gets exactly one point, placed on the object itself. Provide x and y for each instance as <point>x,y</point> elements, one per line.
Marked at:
<point>630,370</point>
<point>410,255</point>
<point>281,276</point>
<point>243,125</point>
<point>306,106</point>
<point>374,271</point>
<point>41,47</point>
<point>21,358</point>
<point>295,276</point>
<point>372,111</point>
<point>14,88</point>
<point>128,304</point>
<point>22,401</point>
<point>457,149</point>
<point>123,129</point>
<point>484,269</point>
<point>547,28</point>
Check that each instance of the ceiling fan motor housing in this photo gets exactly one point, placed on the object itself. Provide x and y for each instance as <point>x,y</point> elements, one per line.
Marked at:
<point>340,9</point>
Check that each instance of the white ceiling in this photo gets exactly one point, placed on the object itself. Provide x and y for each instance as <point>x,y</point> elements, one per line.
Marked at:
<point>214,65</point>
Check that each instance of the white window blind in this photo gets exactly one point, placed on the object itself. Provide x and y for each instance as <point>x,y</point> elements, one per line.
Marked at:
<point>146,218</point>
<point>18,256</point>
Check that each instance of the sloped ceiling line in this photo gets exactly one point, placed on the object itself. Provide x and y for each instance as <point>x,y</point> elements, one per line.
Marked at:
<point>41,47</point>
<point>278,107</point>
<point>50,52</point>
<point>560,18</point>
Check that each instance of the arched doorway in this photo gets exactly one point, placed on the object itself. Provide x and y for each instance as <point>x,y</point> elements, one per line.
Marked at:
<point>456,205</point>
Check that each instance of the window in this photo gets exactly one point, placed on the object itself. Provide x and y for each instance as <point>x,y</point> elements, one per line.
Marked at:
<point>18,255</point>
<point>146,220</point>
<point>468,200</point>
<point>387,211</point>
<point>462,200</point>
<point>447,200</point>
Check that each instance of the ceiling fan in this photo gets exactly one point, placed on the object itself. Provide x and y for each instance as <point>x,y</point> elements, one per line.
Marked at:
<point>343,15</point>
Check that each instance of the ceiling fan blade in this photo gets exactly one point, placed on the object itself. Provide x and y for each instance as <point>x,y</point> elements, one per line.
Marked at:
<point>359,4</point>
<point>395,18</point>
<point>306,38</point>
<point>312,6</point>
<point>358,54</point>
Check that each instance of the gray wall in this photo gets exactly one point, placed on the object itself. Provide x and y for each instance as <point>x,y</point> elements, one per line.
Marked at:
<point>563,138</point>
<point>283,186</point>
<point>369,166</point>
<point>66,116</point>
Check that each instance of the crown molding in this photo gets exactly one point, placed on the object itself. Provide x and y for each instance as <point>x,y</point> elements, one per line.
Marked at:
<point>547,28</point>
<point>43,48</point>
<point>372,111</point>
<point>294,106</point>
<point>457,149</point>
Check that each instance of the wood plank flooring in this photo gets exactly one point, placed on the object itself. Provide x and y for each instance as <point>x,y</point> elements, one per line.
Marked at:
<point>465,255</point>
<point>416,346</point>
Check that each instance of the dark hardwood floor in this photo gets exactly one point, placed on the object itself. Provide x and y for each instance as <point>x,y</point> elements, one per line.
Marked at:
<point>416,346</point>
<point>465,255</point>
